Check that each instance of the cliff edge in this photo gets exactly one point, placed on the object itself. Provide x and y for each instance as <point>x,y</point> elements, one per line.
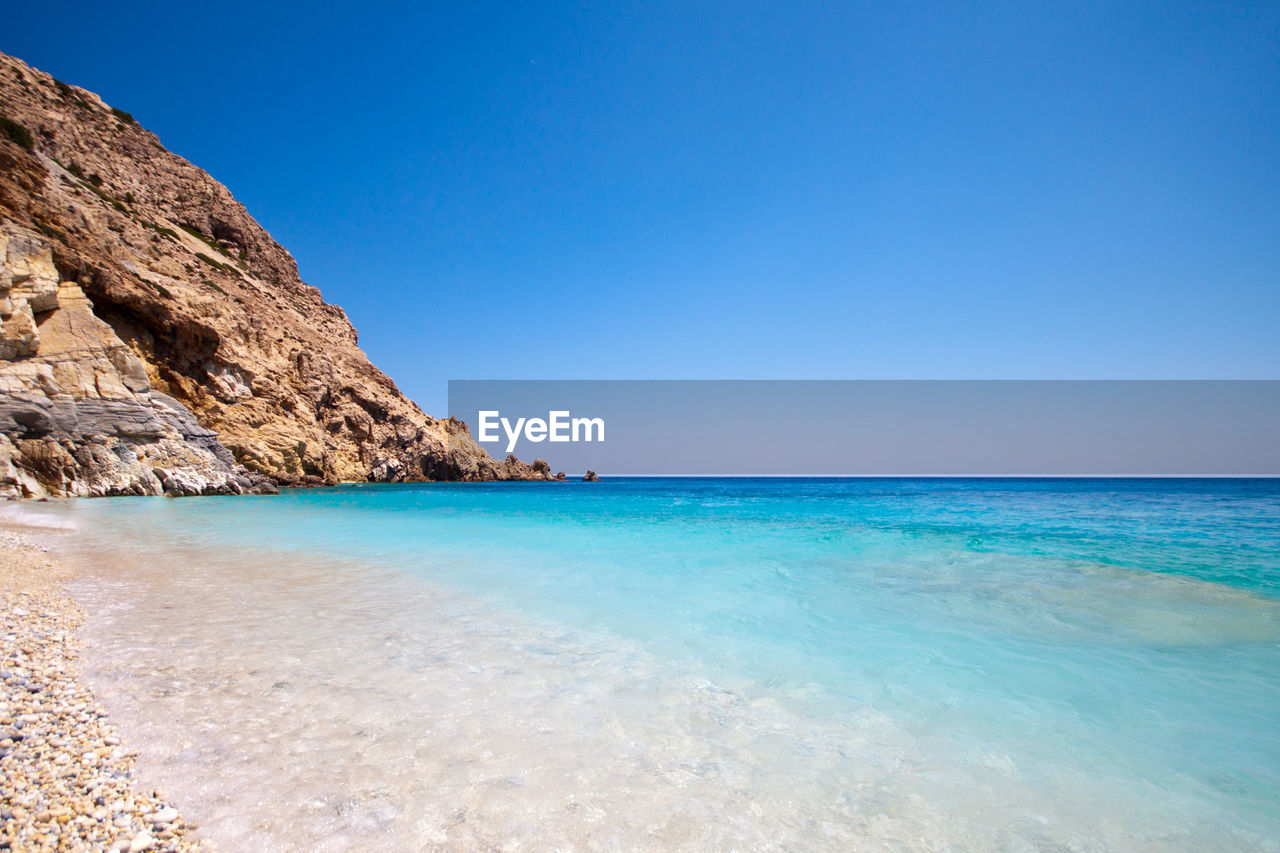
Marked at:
<point>154,337</point>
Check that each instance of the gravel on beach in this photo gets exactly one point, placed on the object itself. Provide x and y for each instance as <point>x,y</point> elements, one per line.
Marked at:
<point>67,779</point>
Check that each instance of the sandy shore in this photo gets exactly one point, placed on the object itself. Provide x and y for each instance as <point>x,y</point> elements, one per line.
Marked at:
<point>68,781</point>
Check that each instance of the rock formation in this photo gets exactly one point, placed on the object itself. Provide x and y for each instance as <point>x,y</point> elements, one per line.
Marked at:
<point>155,337</point>
<point>78,415</point>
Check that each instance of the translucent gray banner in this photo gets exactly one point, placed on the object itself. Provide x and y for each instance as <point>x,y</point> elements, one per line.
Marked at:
<point>879,428</point>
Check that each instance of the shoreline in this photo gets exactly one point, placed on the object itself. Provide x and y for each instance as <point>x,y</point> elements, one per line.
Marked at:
<point>69,782</point>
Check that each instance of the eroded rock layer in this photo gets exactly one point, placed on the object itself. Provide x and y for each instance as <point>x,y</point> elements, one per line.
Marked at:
<point>171,323</point>
<point>78,415</point>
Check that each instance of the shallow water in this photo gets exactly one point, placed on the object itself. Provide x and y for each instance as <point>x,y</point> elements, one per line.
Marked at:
<point>699,664</point>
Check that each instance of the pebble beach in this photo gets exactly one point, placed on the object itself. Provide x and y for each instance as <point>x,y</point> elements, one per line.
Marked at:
<point>68,781</point>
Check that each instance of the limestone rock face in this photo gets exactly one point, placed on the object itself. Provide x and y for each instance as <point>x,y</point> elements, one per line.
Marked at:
<point>108,232</point>
<point>78,415</point>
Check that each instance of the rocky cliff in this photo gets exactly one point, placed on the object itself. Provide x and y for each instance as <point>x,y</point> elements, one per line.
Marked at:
<point>155,337</point>
<point>78,415</point>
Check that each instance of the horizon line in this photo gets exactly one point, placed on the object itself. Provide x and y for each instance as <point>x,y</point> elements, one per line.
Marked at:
<point>959,476</point>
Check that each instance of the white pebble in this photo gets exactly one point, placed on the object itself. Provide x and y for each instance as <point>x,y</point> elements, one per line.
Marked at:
<point>168,814</point>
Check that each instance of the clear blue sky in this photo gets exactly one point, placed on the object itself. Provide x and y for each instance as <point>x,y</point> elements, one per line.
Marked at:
<point>738,189</point>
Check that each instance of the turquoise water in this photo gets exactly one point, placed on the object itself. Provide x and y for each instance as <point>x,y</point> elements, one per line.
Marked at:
<point>901,664</point>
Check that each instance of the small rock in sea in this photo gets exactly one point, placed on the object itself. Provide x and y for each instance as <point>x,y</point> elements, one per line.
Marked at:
<point>591,477</point>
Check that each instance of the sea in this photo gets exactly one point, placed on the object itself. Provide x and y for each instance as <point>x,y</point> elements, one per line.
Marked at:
<point>696,663</point>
